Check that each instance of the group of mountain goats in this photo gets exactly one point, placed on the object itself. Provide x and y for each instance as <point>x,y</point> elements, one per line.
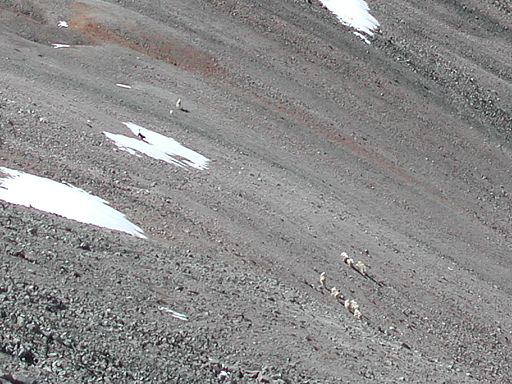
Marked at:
<point>350,304</point>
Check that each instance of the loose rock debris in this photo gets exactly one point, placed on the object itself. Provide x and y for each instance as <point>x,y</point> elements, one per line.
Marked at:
<point>15,379</point>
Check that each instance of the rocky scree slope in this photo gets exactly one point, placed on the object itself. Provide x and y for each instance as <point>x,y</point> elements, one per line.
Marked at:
<point>397,152</point>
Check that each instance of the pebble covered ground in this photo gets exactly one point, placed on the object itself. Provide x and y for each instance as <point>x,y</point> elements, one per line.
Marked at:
<point>396,152</point>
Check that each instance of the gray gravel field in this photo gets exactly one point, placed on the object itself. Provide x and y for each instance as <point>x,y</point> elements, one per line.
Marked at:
<point>397,152</point>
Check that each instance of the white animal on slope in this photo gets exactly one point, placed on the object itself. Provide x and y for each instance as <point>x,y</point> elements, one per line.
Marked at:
<point>323,279</point>
<point>178,103</point>
<point>361,267</point>
<point>351,305</point>
<point>336,293</point>
<point>347,260</point>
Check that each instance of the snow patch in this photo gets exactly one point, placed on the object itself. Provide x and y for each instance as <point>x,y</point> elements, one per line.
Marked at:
<point>65,200</point>
<point>56,45</point>
<point>173,313</point>
<point>158,147</point>
<point>353,13</point>
<point>362,37</point>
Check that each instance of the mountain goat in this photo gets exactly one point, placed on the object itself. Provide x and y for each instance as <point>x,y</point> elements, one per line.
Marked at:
<point>336,293</point>
<point>351,305</point>
<point>361,267</point>
<point>323,279</point>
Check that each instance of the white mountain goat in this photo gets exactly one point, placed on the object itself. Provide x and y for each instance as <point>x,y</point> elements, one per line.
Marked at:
<point>361,267</point>
<point>323,279</point>
<point>351,305</point>
<point>347,260</point>
<point>353,308</point>
<point>335,292</point>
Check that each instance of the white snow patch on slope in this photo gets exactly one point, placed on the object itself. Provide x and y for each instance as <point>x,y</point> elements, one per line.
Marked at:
<point>158,147</point>
<point>354,13</point>
<point>57,45</point>
<point>362,37</point>
<point>175,314</point>
<point>65,200</point>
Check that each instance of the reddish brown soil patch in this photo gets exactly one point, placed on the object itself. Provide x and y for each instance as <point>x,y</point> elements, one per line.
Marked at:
<point>127,33</point>
<point>27,10</point>
<point>303,118</point>
<point>12,12</point>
